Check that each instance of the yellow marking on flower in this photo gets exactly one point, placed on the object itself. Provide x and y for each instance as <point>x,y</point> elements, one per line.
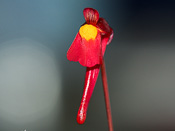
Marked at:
<point>88,31</point>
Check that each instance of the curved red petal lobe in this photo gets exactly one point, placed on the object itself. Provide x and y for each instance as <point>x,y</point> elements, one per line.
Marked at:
<point>90,51</point>
<point>91,15</point>
<point>106,33</point>
<point>73,53</point>
<point>103,25</point>
<point>111,36</point>
<point>105,29</point>
<point>104,44</point>
<point>105,41</point>
<point>90,81</point>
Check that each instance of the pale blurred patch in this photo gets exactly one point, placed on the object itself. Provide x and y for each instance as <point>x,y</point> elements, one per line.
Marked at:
<point>29,81</point>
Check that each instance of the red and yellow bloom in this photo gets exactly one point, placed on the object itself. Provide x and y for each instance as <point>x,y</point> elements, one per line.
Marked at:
<point>88,49</point>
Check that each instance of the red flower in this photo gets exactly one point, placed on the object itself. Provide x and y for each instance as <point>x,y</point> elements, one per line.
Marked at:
<point>88,48</point>
<point>92,37</point>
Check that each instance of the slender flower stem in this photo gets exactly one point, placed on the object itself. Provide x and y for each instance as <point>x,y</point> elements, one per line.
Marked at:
<point>106,95</point>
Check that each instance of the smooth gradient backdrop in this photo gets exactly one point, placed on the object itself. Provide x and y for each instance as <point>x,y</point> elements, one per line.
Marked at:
<point>40,90</point>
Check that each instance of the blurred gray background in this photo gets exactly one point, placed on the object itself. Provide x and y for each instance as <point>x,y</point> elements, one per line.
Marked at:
<point>40,90</point>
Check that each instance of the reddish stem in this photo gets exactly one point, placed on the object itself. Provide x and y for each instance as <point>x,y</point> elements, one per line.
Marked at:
<point>90,80</point>
<point>106,95</point>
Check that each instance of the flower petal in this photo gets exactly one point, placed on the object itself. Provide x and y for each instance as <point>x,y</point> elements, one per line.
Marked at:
<point>106,33</point>
<point>90,51</point>
<point>105,29</point>
<point>91,15</point>
<point>105,41</point>
<point>73,53</point>
<point>86,52</point>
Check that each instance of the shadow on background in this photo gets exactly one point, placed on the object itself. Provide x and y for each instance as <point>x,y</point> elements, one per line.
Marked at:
<point>41,90</point>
